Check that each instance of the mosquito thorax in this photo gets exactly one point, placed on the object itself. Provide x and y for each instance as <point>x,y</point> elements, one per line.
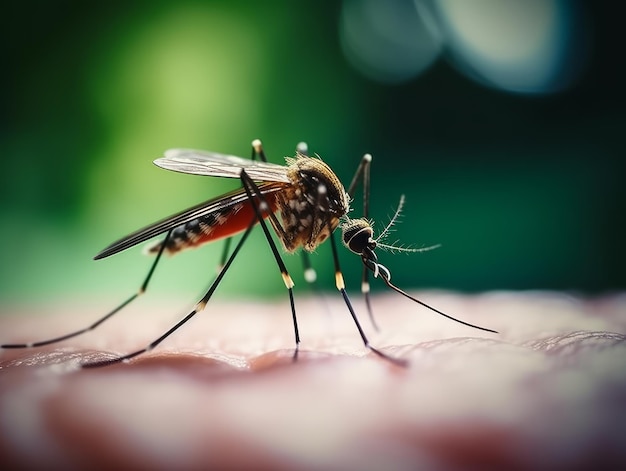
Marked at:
<point>312,205</point>
<point>357,235</point>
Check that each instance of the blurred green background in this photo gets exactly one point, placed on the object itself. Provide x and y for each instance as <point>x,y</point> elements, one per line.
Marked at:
<point>502,123</point>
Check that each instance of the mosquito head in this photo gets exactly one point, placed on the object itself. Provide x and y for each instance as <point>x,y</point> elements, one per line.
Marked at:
<point>358,236</point>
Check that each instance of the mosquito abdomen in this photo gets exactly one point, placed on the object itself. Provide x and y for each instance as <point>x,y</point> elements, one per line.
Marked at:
<point>217,225</point>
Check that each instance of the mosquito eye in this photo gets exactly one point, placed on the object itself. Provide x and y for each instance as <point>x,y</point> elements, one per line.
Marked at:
<point>357,235</point>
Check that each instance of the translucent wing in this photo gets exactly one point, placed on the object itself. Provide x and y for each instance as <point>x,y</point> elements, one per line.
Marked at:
<point>200,162</point>
<point>202,209</point>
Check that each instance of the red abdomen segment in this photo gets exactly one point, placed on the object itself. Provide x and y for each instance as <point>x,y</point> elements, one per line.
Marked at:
<point>225,222</point>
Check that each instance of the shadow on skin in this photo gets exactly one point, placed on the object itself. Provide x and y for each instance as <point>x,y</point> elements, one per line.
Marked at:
<point>546,393</point>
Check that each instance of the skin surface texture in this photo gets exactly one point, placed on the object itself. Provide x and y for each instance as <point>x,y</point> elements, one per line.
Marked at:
<point>547,392</point>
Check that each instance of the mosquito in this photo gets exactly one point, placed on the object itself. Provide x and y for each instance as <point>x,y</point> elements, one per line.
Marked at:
<point>303,201</point>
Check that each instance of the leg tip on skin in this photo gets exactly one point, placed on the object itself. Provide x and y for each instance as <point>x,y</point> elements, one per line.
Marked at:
<point>401,362</point>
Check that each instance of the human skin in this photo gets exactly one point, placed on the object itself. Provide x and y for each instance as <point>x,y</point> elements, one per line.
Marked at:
<point>547,392</point>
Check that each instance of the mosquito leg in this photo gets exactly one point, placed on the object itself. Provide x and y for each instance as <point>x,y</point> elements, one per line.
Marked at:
<point>224,255</point>
<point>198,307</point>
<point>259,208</point>
<point>257,151</point>
<point>365,289</point>
<point>342,288</point>
<point>363,171</point>
<point>142,289</point>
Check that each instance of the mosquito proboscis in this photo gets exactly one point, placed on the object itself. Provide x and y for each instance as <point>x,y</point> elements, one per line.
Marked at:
<point>303,201</point>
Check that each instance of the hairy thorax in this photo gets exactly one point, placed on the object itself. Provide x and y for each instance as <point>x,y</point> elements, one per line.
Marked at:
<point>312,205</point>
